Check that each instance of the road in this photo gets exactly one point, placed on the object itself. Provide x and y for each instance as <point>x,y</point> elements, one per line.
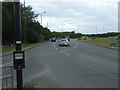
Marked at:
<point>78,66</point>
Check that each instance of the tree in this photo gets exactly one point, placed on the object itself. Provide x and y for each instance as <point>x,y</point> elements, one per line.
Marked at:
<point>31,29</point>
<point>8,23</point>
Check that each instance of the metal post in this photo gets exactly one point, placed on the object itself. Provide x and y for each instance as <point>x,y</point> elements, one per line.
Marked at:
<point>96,29</point>
<point>24,3</point>
<point>41,19</point>
<point>18,42</point>
<point>47,24</point>
<point>12,76</point>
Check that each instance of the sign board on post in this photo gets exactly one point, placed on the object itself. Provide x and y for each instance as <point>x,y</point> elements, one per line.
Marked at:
<point>19,60</point>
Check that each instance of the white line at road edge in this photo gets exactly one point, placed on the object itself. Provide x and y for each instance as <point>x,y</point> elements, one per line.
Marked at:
<point>64,53</point>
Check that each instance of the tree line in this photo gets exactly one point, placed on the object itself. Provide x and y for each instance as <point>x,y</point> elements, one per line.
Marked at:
<point>31,30</point>
<point>76,35</point>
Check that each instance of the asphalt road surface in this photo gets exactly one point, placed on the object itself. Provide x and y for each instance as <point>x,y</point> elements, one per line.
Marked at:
<point>78,66</point>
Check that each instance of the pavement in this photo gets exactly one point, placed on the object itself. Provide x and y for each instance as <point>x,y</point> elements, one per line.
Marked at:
<point>79,65</point>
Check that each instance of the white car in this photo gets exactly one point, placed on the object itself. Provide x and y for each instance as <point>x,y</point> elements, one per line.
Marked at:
<point>64,42</point>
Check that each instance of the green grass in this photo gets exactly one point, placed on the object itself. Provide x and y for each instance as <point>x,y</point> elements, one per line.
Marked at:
<point>10,49</point>
<point>102,41</point>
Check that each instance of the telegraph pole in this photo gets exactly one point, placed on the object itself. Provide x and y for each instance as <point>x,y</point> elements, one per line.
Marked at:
<point>18,55</point>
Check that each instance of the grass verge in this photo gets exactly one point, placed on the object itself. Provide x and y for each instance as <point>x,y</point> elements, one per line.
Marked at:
<point>105,42</point>
<point>9,49</point>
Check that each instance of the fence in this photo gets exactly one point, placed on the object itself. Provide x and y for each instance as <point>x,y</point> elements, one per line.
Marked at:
<point>5,82</point>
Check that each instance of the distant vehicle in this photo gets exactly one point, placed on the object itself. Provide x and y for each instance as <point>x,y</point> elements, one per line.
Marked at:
<point>68,39</point>
<point>79,38</point>
<point>118,38</point>
<point>53,39</point>
<point>92,37</point>
<point>84,37</point>
<point>64,42</point>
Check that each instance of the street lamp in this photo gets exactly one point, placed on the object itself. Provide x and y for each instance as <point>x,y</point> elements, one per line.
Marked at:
<point>47,23</point>
<point>62,27</point>
<point>24,3</point>
<point>41,16</point>
<point>96,29</point>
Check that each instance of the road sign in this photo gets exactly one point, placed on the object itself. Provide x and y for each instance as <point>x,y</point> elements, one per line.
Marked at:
<point>19,60</point>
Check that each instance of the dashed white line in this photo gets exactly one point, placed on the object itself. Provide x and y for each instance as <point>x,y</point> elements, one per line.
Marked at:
<point>65,53</point>
<point>76,45</point>
<point>54,44</point>
<point>49,53</point>
<point>115,55</point>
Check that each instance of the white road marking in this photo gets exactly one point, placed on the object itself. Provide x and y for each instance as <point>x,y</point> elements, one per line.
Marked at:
<point>49,53</point>
<point>64,52</point>
<point>54,44</point>
<point>76,45</point>
<point>115,55</point>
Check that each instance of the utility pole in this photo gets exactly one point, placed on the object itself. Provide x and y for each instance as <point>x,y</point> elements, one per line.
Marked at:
<point>48,23</point>
<point>41,16</point>
<point>41,19</point>
<point>18,55</point>
<point>62,28</point>
<point>96,29</point>
<point>24,3</point>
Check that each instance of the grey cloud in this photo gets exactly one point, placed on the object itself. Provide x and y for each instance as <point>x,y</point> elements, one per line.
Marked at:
<point>76,13</point>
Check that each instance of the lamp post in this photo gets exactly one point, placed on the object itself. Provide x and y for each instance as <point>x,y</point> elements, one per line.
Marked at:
<point>47,23</point>
<point>78,28</point>
<point>96,29</point>
<point>41,16</point>
<point>24,3</point>
<point>62,27</point>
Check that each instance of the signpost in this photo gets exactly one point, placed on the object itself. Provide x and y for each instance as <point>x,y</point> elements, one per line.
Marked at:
<point>18,55</point>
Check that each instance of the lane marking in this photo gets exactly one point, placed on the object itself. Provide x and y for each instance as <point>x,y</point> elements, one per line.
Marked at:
<point>54,44</point>
<point>76,45</point>
<point>49,53</point>
<point>115,55</point>
<point>64,52</point>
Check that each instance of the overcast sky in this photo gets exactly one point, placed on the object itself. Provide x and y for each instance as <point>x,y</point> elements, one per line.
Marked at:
<point>84,16</point>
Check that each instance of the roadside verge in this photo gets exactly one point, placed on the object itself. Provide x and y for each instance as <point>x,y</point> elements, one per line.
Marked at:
<point>6,50</point>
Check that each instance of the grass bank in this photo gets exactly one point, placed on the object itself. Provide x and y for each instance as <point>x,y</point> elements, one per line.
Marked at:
<point>102,41</point>
<point>10,49</point>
